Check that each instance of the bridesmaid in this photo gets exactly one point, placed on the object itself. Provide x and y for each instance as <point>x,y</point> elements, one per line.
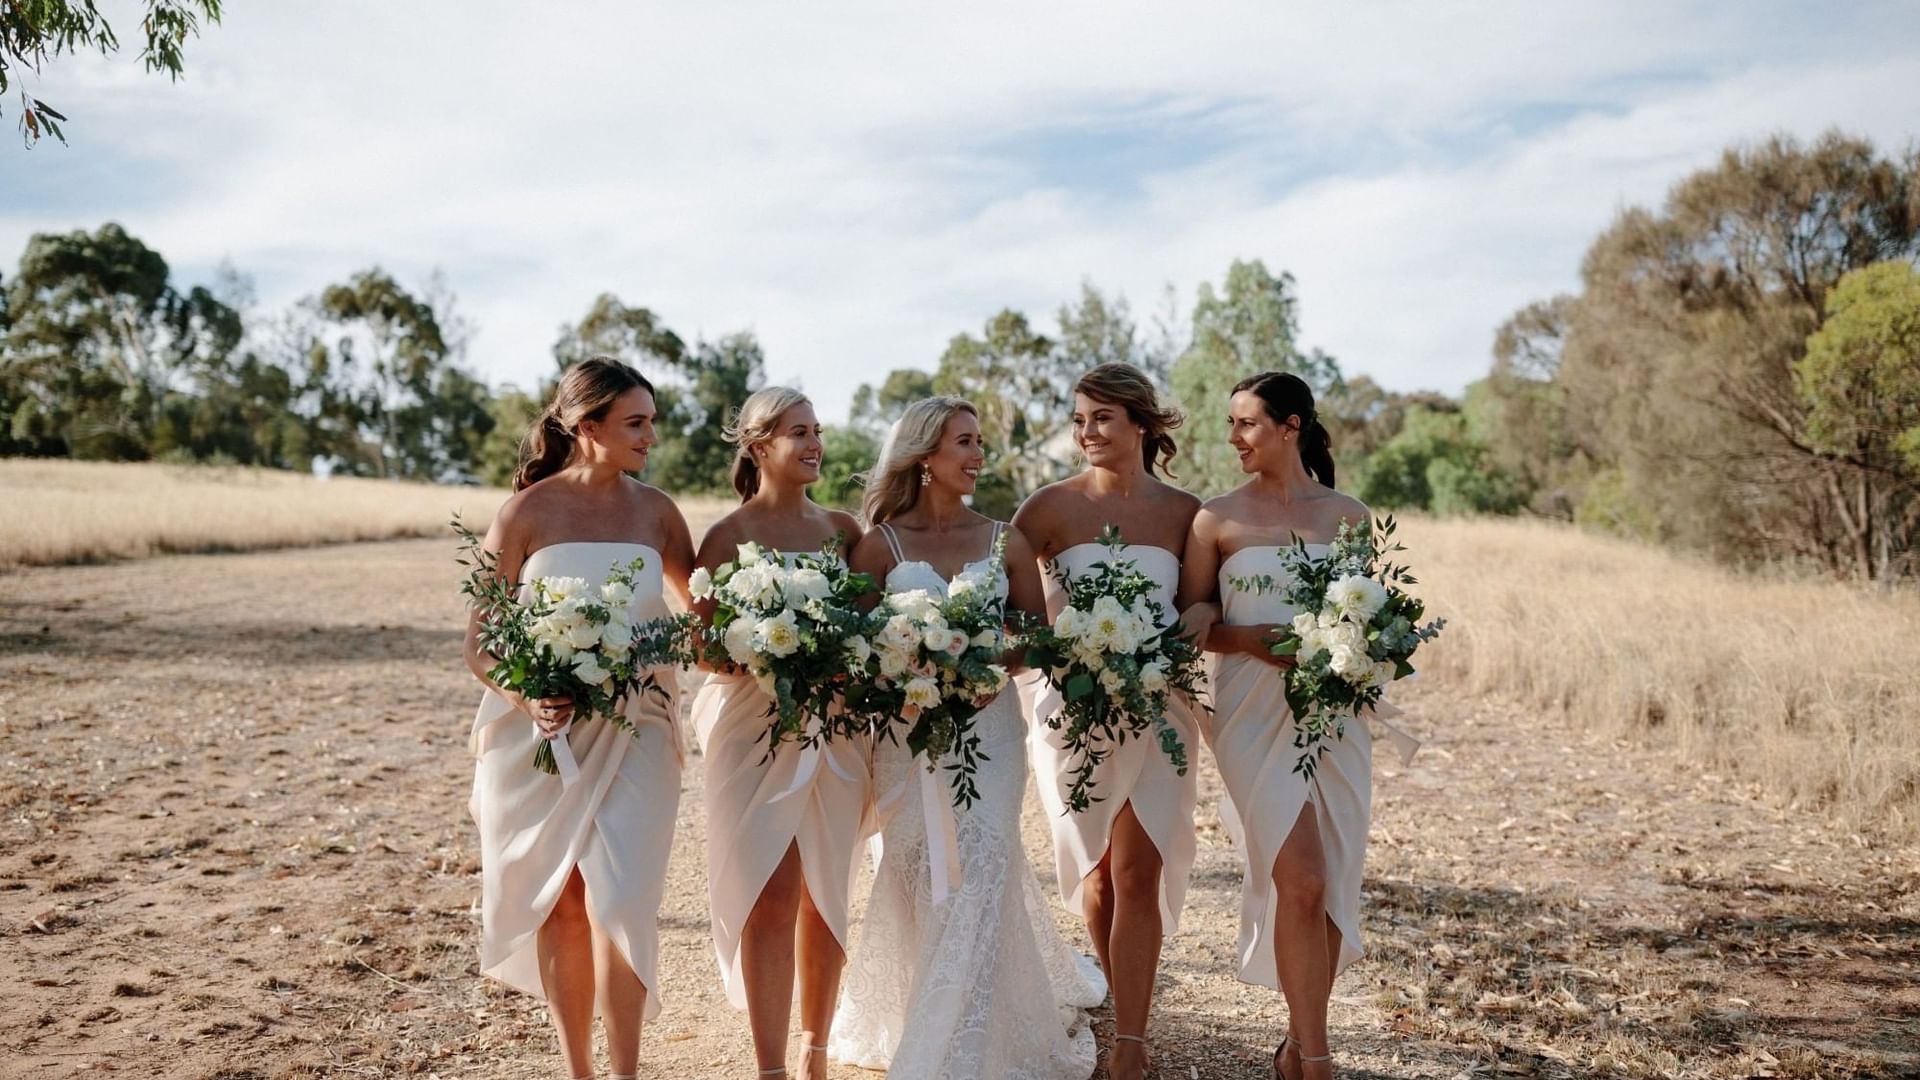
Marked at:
<point>572,874</point>
<point>781,832</point>
<point>1305,843</point>
<point>1123,863</point>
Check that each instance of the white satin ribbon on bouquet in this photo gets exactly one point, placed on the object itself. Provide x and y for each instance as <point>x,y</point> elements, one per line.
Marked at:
<point>563,759</point>
<point>943,841</point>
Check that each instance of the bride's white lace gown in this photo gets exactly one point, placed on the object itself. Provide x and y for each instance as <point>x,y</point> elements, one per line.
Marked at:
<point>980,984</point>
<point>614,823</point>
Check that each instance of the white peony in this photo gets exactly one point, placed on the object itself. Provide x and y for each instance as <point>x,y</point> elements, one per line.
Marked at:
<point>617,637</point>
<point>617,594</point>
<point>916,604</point>
<point>858,649</point>
<point>1351,664</point>
<point>1111,681</point>
<point>956,642</point>
<point>806,584</point>
<point>778,635</point>
<point>922,693</point>
<point>582,633</point>
<point>1305,624</point>
<point>589,670</point>
<point>700,584</point>
<point>1153,678</point>
<point>1357,596</point>
<point>899,633</point>
<point>1070,623</point>
<point>893,662</point>
<point>739,641</point>
<point>562,589</point>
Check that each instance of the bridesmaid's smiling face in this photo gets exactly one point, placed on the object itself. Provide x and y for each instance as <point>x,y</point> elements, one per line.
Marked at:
<point>1106,434</point>
<point>957,461</point>
<point>1255,436</point>
<point>793,452</point>
<point>625,434</point>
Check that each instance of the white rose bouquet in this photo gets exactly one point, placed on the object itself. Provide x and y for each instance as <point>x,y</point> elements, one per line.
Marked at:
<point>1114,663</point>
<point>932,664</point>
<point>565,639</point>
<point>796,629</point>
<point>1356,631</point>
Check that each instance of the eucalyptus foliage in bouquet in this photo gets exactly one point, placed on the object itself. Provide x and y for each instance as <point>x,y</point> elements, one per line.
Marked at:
<point>934,662</point>
<point>1356,631</point>
<point>795,628</point>
<point>559,637</point>
<point>1114,664</point>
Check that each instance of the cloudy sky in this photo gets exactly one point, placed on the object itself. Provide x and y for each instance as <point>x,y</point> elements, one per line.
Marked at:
<point>856,183</point>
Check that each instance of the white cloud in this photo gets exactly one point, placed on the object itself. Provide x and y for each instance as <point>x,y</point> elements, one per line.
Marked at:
<point>858,182</point>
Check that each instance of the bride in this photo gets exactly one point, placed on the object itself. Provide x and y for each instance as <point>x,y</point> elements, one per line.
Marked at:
<point>956,975</point>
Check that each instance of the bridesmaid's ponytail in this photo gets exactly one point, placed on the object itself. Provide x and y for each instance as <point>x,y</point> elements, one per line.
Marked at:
<point>585,392</point>
<point>1316,451</point>
<point>544,451</point>
<point>1287,395</point>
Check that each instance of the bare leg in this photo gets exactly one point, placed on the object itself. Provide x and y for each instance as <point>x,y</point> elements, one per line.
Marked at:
<point>1096,904</point>
<point>623,1002</point>
<point>564,948</point>
<point>821,961</point>
<point>766,960</point>
<point>1300,940</point>
<point>1134,945</point>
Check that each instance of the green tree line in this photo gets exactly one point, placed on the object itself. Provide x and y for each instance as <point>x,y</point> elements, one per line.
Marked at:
<point>1739,373</point>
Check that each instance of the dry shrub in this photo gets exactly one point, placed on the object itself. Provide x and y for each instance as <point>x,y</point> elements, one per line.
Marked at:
<point>61,512</point>
<point>1804,686</point>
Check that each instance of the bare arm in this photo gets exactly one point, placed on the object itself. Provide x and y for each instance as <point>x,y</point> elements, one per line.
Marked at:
<point>870,556</point>
<point>676,557</point>
<point>1024,591</point>
<point>507,538</point>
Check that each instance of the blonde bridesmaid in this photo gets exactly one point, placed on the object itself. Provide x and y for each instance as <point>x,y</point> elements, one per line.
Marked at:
<point>781,830</point>
<point>1305,842</point>
<point>572,873</point>
<point>1123,863</point>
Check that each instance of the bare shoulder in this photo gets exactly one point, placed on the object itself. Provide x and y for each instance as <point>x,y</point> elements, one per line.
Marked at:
<point>1345,509</point>
<point>848,526</point>
<point>1018,546</point>
<point>722,538</point>
<point>1040,508</point>
<point>1179,498</point>
<point>655,501</point>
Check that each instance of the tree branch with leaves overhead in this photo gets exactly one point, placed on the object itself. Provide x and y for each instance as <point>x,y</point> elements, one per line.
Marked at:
<point>35,31</point>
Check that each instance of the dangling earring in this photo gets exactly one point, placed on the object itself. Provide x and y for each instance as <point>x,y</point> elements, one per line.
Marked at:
<point>926,476</point>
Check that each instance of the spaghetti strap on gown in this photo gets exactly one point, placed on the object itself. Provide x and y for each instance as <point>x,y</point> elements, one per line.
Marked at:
<point>978,982</point>
<point>614,823</point>
<point>1136,771</point>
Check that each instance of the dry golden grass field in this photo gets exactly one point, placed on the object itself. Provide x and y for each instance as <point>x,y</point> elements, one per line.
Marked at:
<point>1660,829</point>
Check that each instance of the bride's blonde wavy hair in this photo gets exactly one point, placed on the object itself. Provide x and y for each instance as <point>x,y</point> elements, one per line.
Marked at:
<point>893,484</point>
<point>754,422</point>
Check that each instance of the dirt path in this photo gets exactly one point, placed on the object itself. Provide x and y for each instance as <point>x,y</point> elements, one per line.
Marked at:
<point>234,844</point>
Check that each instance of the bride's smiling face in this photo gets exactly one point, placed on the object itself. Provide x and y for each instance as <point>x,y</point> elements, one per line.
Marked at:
<point>792,454</point>
<point>624,436</point>
<point>956,463</point>
<point>1253,434</point>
